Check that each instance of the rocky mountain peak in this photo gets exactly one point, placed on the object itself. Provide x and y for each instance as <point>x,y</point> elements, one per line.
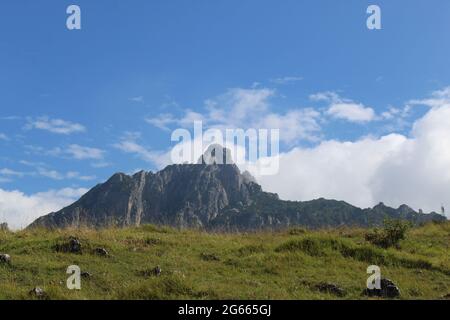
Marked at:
<point>216,154</point>
<point>405,209</point>
<point>209,195</point>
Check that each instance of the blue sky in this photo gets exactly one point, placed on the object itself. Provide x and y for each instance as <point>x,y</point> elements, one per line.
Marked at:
<point>71,102</point>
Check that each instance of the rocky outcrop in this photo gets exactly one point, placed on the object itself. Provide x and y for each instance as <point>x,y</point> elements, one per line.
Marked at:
<point>101,252</point>
<point>388,289</point>
<point>71,246</point>
<point>4,227</point>
<point>38,293</point>
<point>5,258</point>
<point>330,288</point>
<point>211,196</point>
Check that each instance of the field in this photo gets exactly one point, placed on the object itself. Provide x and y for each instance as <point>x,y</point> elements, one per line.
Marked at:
<point>289,264</point>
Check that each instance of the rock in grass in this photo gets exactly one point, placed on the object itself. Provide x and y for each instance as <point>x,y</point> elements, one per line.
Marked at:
<point>388,290</point>
<point>209,257</point>
<point>38,293</point>
<point>101,252</point>
<point>72,246</point>
<point>151,272</point>
<point>5,258</point>
<point>330,288</point>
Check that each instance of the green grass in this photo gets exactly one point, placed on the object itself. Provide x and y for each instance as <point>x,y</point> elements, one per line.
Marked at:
<point>287,264</point>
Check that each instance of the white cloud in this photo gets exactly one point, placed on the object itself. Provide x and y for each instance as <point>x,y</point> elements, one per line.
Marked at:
<point>328,96</point>
<point>31,163</point>
<point>396,119</point>
<point>73,151</point>
<point>394,169</point>
<point>162,121</point>
<point>248,108</point>
<point>437,99</point>
<point>9,172</point>
<point>129,144</point>
<point>333,169</point>
<point>101,164</point>
<point>58,126</point>
<point>55,175</point>
<point>3,137</point>
<point>77,175</point>
<point>19,209</point>
<point>138,99</point>
<point>351,112</point>
<point>346,109</point>
<point>81,153</point>
<point>40,170</point>
<point>302,124</point>
<point>52,174</point>
<point>391,113</point>
<point>286,80</point>
<point>237,106</point>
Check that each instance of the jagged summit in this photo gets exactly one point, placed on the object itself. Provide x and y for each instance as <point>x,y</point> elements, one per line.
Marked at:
<point>209,196</point>
<point>216,154</point>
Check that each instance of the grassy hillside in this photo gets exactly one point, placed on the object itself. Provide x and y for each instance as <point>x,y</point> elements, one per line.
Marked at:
<point>268,265</point>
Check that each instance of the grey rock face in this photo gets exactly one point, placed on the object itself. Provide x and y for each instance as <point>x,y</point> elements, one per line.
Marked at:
<point>181,195</point>
<point>209,196</point>
<point>216,154</point>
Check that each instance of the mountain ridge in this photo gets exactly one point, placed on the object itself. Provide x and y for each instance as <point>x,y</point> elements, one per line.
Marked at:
<point>211,197</point>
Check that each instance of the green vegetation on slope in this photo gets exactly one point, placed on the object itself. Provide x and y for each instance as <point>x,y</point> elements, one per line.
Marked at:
<point>288,264</point>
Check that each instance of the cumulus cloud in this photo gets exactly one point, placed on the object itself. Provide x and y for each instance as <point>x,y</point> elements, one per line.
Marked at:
<point>58,126</point>
<point>352,112</point>
<point>346,109</point>
<point>394,169</point>
<point>438,98</point>
<point>294,125</point>
<point>248,108</point>
<point>19,209</point>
